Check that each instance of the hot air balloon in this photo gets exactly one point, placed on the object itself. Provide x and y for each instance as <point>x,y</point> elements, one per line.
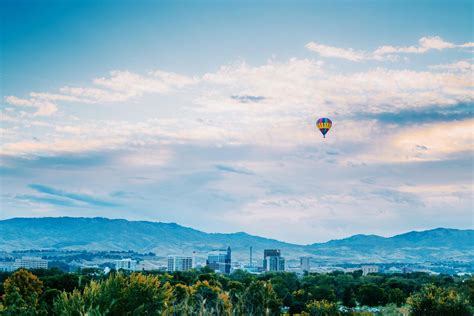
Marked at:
<point>324,124</point>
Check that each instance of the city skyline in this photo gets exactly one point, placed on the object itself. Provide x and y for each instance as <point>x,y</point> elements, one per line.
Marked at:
<point>59,241</point>
<point>204,113</point>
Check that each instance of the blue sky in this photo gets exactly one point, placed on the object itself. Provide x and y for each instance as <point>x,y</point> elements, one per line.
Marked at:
<point>203,113</point>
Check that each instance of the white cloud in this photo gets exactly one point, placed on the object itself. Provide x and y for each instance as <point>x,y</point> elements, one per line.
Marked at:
<point>345,212</point>
<point>174,79</point>
<point>60,146</point>
<point>43,108</point>
<point>386,52</point>
<point>292,95</point>
<point>424,44</point>
<point>443,195</point>
<point>304,86</point>
<point>18,101</point>
<point>435,42</point>
<point>462,66</point>
<point>53,97</point>
<point>95,95</point>
<point>295,94</point>
<point>119,87</point>
<point>468,45</point>
<point>123,85</point>
<point>336,52</point>
<point>429,142</point>
<point>146,157</point>
<point>131,83</point>
<point>440,140</point>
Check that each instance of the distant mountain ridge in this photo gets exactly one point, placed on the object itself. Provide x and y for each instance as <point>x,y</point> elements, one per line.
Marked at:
<point>81,233</point>
<point>431,245</point>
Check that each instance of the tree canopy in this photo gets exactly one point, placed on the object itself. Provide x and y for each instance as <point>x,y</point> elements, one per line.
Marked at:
<point>203,292</point>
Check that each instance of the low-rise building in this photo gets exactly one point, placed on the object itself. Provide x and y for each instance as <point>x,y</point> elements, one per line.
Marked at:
<point>30,263</point>
<point>351,270</point>
<point>180,263</point>
<point>407,270</point>
<point>6,266</point>
<point>253,269</point>
<point>369,269</point>
<point>125,264</point>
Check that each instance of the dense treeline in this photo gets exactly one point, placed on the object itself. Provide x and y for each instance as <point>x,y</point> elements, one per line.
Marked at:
<point>203,292</point>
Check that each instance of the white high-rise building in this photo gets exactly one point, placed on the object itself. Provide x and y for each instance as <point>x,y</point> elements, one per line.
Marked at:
<point>125,264</point>
<point>30,263</point>
<point>305,263</point>
<point>180,263</point>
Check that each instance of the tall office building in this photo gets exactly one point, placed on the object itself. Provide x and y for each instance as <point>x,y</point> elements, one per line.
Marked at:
<point>220,260</point>
<point>274,264</point>
<point>273,261</point>
<point>180,263</point>
<point>271,253</point>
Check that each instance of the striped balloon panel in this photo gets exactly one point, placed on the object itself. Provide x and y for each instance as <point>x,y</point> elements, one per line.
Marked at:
<point>324,124</point>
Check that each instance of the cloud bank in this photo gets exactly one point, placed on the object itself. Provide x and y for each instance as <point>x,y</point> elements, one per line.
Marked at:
<point>236,148</point>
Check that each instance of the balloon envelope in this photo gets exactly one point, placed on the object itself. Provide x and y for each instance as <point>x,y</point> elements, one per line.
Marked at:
<point>324,124</point>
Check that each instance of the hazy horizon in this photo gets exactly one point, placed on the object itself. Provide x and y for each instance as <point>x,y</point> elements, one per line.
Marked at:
<point>203,114</point>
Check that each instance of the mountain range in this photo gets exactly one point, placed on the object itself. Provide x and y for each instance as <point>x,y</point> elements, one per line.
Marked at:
<point>93,234</point>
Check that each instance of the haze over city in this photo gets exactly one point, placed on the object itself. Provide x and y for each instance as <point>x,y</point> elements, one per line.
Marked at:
<point>204,114</point>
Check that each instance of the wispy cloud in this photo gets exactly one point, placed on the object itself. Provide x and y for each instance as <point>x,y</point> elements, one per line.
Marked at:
<point>73,196</point>
<point>47,200</point>
<point>233,169</point>
<point>386,52</point>
<point>248,98</point>
<point>424,44</point>
<point>425,142</point>
<point>462,66</point>
<point>336,52</point>
<point>120,86</point>
<point>27,147</point>
<point>429,114</point>
<point>42,107</point>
